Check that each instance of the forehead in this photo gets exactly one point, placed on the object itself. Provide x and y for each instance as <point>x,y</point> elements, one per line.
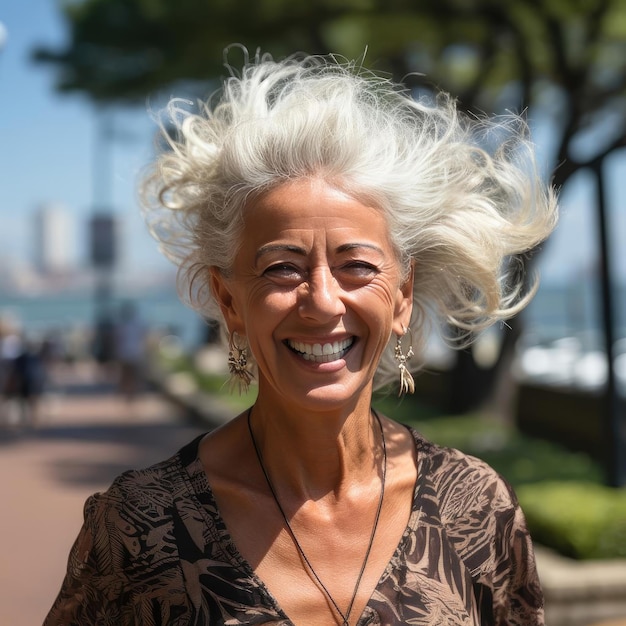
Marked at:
<point>312,205</point>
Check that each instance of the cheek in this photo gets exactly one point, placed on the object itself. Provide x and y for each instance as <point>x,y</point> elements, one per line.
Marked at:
<point>265,304</point>
<point>381,298</point>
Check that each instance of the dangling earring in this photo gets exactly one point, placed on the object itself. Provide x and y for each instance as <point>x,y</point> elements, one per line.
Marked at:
<point>407,384</point>
<point>240,375</point>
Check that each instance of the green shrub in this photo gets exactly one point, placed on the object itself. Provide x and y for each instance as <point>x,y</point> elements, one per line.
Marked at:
<point>579,520</point>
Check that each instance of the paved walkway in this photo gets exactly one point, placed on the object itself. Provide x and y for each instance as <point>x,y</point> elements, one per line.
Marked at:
<point>86,437</point>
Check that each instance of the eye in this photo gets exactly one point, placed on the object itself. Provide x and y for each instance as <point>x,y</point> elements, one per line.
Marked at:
<point>285,272</point>
<point>358,272</point>
<point>360,268</point>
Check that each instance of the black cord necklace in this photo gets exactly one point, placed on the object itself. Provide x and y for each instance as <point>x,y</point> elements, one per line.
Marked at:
<point>345,617</point>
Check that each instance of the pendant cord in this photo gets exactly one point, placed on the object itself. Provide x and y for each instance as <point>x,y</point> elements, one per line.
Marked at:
<point>344,616</point>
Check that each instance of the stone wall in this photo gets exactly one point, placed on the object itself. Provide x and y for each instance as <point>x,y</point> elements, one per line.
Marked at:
<point>582,593</point>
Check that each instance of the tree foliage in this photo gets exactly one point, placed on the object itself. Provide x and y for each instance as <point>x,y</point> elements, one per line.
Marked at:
<point>567,57</point>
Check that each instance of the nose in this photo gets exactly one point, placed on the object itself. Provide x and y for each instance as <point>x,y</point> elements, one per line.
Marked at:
<point>321,299</point>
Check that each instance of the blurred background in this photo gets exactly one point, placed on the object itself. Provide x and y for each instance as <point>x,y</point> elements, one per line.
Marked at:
<point>82,83</point>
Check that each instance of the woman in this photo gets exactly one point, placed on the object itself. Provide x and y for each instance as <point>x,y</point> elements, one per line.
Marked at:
<point>321,215</point>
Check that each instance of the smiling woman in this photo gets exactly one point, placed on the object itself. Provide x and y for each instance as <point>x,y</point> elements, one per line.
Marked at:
<point>319,214</point>
<point>315,269</point>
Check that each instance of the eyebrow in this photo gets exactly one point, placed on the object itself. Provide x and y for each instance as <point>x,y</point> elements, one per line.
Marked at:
<point>284,247</point>
<point>346,247</point>
<point>279,247</point>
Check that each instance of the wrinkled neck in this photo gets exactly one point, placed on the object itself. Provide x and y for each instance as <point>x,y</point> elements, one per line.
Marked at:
<point>317,455</point>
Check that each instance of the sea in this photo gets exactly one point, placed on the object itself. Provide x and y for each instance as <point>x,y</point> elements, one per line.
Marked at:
<point>562,342</point>
<point>71,312</point>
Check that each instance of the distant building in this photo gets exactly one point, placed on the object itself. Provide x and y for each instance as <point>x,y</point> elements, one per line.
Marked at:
<point>54,240</point>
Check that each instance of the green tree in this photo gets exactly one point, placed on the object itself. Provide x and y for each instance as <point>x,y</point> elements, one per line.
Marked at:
<point>567,57</point>
<point>564,58</point>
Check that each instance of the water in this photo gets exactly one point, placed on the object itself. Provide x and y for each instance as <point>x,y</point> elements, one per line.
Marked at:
<point>564,345</point>
<point>573,310</point>
<point>159,308</point>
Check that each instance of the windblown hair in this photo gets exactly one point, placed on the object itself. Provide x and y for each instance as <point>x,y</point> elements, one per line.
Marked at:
<point>462,195</point>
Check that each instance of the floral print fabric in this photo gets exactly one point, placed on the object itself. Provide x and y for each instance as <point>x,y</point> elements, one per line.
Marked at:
<point>154,551</point>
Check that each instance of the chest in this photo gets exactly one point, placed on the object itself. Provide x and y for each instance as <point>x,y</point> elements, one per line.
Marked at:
<point>254,573</point>
<point>422,583</point>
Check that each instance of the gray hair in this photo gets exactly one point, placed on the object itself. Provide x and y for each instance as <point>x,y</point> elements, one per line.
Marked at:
<point>461,194</point>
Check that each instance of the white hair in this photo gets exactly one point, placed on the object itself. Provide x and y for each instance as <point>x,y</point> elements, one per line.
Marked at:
<point>462,195</point>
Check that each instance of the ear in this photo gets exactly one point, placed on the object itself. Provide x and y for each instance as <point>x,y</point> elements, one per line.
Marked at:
<point>222,290</point>
<point>403,305</point>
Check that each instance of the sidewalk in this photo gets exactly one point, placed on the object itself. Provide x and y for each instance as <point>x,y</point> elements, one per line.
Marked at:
<point>87,436</point>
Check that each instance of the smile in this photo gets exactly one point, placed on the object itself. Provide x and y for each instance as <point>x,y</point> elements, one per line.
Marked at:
<point>321,353</point>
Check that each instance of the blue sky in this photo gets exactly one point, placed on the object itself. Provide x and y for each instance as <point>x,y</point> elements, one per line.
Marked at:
<point>47,143</point>
<point>47,146</point>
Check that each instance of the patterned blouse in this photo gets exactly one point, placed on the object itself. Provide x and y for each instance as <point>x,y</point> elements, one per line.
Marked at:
<point>154,551</point>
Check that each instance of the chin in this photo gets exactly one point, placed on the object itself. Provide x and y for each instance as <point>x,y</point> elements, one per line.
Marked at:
<point>334,397</point>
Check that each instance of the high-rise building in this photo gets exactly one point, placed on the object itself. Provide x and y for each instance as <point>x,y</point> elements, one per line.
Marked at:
<point>54,239</point>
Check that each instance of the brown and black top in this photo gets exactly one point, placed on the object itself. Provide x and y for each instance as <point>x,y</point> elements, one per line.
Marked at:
<point>154,551</point>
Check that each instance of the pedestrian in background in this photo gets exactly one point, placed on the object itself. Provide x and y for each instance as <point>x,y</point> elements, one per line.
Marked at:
<point>10,348</point>
<point>130,350</point>
<point>25,381</point>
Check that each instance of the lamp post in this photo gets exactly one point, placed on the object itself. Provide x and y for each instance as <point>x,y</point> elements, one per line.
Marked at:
<point>614,422</point>
<point>103,237</point>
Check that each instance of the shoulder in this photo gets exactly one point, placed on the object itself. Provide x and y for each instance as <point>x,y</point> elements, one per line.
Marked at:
<point>152,484</point>
<point>477,507</point>
<point>132,531</point>
<point>128,543</point>
<point>160,482</point>
<point>482,519</point>
<point>137,511</point>
<point>462,480</point>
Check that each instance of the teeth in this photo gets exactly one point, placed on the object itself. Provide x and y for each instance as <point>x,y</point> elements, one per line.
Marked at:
<point>321,353</point>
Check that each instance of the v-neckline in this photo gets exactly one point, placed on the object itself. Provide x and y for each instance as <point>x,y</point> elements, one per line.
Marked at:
<point>208,506</point>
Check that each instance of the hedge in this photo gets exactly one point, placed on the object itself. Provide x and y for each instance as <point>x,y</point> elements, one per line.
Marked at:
<point>579,520</point>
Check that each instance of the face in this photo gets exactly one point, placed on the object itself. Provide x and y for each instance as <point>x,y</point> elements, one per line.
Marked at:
<point>316,288</point>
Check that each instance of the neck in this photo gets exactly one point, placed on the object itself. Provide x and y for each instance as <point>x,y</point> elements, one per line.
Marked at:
<point>343,613</point>
<point>317,454</point>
